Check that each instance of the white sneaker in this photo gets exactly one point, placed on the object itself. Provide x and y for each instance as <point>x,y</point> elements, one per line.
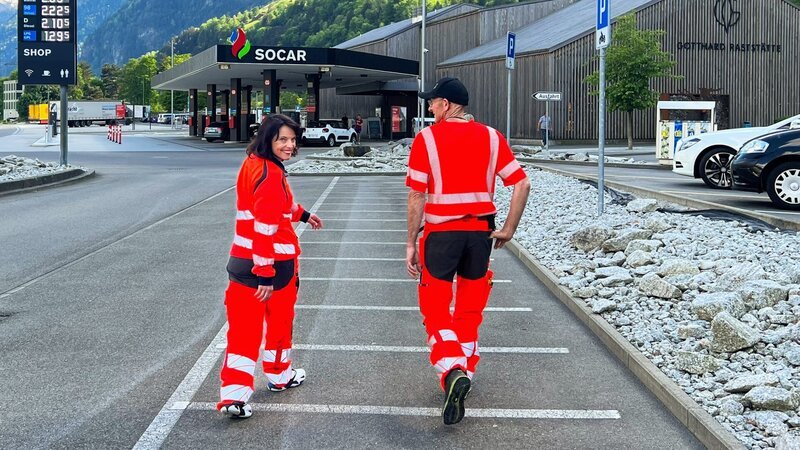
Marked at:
<point>236,410</point>
<point>297,379</point>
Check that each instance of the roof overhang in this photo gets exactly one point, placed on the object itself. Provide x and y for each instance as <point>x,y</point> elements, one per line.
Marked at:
<point>336,67</point>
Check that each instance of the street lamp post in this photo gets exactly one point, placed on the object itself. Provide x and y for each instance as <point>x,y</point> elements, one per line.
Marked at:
<point>171,91</point>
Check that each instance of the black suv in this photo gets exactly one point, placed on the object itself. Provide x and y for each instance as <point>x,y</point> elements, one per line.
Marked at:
<point>771,163</point>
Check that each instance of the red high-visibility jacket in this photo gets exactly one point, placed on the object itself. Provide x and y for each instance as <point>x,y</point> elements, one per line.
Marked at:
<point>265,212</point>
<point>456,164</point>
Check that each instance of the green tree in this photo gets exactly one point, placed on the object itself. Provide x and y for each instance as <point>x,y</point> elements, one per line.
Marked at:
<point>35,94</point>
<point>632,60</point>
<point>110,76</point>
<point>290,99</point>
<point>135,79</point>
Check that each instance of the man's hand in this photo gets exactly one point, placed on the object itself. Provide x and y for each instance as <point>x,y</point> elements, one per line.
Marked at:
<point>501,237</point>
<point>263,293</point>
<point>412,261</point>
<point>315,222</point>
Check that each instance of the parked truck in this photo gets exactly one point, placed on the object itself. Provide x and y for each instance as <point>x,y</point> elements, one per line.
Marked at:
<point>85,113</point>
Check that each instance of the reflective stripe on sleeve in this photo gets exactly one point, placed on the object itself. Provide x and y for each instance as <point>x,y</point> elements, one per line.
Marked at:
<point>244,215</point>
<point>243,242</point>
<point>433,159</point>
<point>416,175</point>
<point>510,168</point>
<point>266,229</point>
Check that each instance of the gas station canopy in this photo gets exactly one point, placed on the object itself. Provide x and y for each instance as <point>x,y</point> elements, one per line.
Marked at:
<point>335,67</point>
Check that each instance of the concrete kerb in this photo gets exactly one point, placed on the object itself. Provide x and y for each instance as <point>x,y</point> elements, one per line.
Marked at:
<point>591,163</point>
<point>683,201</point>
<point>704,427</point>
<point>27,184</point>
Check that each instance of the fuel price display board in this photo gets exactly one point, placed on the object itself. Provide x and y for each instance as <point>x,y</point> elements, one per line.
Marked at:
<point>47,45</point>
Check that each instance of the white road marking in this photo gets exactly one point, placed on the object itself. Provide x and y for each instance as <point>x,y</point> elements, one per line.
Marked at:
<point>370,230</point>
<point>378,280</point>
<point>353,242</point>
<point>776,212</point>
<point>326,219</point>
<point>407,349</point>
<point>324,258</point>
<point>713,194</point>
<point>362,211</point>
<point>399,308</point>
<point>162,424</point>
<point>477,413</point>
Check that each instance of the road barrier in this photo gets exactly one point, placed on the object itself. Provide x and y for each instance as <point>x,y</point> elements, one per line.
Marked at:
<point>115,133</point>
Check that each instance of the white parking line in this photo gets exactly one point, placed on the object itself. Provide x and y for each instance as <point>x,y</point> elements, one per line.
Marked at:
<point>324,258</point>
<point>399,308</point>
<point>377,280</point>
<point>362,211</point>
<point>370,230</point>
<point>326,219</point>
<point>353,243</point>
<point>765,211</point>
<point>406,349</point>
<point>162,424</point>
<point>713,194</point>
<point>372,410</point>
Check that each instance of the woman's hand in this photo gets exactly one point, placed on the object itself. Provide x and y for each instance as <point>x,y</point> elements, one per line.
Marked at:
<point>315,222</point>
<point>263,293</point>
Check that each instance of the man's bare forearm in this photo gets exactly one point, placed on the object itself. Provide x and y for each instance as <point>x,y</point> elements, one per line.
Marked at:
<point>519,198</point>
<point>416,206</point>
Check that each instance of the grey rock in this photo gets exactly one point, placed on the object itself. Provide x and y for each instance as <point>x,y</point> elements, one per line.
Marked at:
<point>707,306</point>
<point>656,224</point>
<point>787,442</point>
<point>591,238</point>
<point>621,241</point>
<point>585,292</point>
<point>759,294</point>
<point>642,205</point>
<point>603,305</point>
<point>731,408</point>
<point>613,276</point>
<point>772,422</point>
<point>645,245</point>
<point>730,334</point>
<point>793,356</point>
<point>735,277</point>
<point>698,363</point>
<point>652,285</point>
<point>639,258</point>
<point>690,330</point>
<point>678,266</point>
<point>747,382</point>
<point>766,397</point>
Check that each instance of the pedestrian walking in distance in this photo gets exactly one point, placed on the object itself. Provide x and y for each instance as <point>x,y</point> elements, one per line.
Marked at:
<point>451,173</point>
<point>263,270</point>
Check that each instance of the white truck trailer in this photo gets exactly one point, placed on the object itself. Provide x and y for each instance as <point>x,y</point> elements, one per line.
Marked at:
<point>85,113</point>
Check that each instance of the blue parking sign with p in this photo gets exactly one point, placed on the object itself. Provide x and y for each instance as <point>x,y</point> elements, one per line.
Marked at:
<point>602,13</point>
<point>511,49</point>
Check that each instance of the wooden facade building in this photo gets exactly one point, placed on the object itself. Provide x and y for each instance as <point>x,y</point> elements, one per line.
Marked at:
<point>744,54</point>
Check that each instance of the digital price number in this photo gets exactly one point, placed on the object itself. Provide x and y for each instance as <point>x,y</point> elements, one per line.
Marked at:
<point>47,41</point>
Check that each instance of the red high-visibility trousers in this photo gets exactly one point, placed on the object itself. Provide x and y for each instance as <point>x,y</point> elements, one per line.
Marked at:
<point>248,320</point>
<point>453,338</point>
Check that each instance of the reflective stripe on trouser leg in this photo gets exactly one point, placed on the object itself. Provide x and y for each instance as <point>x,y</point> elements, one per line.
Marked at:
<point>277,360</point>
<point>471,299</point>
<point>435,296</point>
<point>245,316</point>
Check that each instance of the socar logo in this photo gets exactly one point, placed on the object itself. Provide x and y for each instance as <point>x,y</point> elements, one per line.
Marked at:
<point>241,46</point>
<point>725,14</point>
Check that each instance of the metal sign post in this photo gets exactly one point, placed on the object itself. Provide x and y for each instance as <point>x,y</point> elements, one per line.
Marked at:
<point>47,49</point>
<point>547,97</point>
<point>602,40</point>
<point>510,60</point>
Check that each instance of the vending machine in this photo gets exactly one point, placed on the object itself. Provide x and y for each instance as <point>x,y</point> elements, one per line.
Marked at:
<point>676,120</point>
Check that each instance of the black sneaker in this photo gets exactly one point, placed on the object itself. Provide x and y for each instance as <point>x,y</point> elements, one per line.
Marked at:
<point>457,387</point>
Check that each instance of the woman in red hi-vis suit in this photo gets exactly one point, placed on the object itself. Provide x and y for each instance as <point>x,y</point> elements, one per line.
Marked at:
<point>263,269</point>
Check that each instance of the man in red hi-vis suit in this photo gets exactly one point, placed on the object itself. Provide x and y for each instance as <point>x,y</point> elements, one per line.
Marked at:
<point>451,172</point>
<point>263,270</point>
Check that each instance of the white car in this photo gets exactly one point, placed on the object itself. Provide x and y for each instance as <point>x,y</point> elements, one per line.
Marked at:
<point>709,155</point>
<point>329,132</point>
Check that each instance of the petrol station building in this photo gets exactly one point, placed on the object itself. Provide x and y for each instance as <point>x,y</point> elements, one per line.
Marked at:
<point>228,80</point>
<point>744,56</point>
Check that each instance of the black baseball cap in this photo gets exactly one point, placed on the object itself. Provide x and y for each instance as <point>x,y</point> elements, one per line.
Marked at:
<point>450,88</point>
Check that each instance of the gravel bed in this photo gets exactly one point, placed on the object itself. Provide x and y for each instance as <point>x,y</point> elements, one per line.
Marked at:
<point>14,168</point>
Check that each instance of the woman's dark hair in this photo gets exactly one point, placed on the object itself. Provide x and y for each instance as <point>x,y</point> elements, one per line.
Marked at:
<point>261,145</point>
